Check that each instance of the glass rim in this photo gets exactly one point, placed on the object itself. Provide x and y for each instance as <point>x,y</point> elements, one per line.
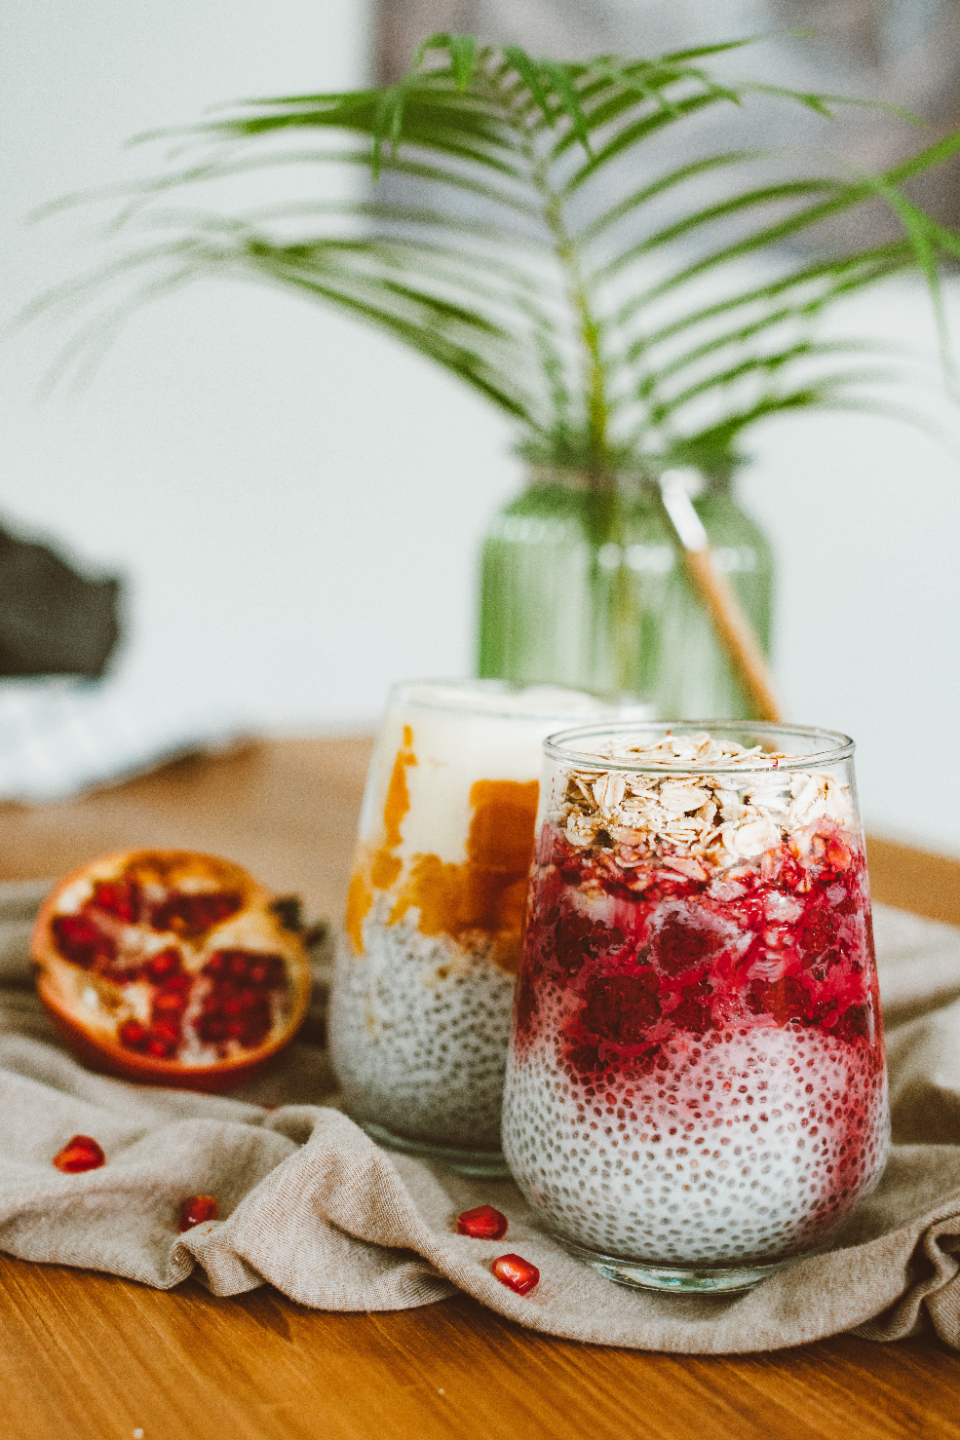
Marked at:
<point>561,746</point>
<point>405,691</point>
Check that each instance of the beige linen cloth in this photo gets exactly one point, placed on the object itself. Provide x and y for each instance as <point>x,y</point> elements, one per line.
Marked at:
<point>309,1204</point>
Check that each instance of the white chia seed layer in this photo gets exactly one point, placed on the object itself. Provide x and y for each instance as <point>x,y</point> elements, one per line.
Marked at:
<point>749,1145</point>
<point>418,1035</point>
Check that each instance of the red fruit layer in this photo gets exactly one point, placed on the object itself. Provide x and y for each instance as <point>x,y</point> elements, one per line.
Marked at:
<point>782,941</point>
<point>483,1223</point>
<point>79,1154</point>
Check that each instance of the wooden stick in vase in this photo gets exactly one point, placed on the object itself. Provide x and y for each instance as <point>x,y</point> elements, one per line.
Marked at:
<point>720,599</point>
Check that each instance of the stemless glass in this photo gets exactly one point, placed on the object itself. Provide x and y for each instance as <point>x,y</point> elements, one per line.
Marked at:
<point>696,1088</point>
<point>423,984</point>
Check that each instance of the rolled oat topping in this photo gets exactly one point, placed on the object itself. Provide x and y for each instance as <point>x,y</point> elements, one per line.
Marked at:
<point>717,819</point>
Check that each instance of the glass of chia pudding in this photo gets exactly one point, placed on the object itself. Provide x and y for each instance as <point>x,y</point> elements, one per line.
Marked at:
<point>696,1089</point>
<point>423,984</point>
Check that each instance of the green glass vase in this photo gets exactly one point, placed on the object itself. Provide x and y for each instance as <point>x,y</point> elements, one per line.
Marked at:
<point>582,584</point>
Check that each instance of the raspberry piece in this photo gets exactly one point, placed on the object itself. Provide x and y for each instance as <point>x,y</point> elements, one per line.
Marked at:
<point>483,1223</point>
<point>819,938</point>
<point>856,1023</point>
<point>516,1273</point>
<point>577,939</point>
<point>79,1154</point>
<point>680,946</point>
<point>621,1008</point>
<point>691,1016</point>
<point>786,999</point>
<point>196,1210</point>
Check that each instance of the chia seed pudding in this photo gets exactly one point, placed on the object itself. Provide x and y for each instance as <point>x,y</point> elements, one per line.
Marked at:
<point>424,978</point>
<point>697,1072</point>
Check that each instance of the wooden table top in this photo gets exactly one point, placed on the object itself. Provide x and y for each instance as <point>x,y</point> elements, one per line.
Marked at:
<point>91,1357</point>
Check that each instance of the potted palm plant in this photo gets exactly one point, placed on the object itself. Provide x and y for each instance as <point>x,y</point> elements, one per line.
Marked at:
<point>629,317</point>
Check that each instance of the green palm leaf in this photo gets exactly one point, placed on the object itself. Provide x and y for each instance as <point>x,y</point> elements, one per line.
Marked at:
<point>517,236</point>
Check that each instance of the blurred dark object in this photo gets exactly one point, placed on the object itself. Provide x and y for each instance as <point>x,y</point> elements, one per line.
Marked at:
<point>53,621</point>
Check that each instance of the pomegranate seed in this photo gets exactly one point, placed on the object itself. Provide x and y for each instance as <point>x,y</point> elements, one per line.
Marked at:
<point>119,897</point>
<point>516,1273</point>
<point>169,1002</point>
<point>197,1209</point>
<point>132,1034</point>
<point>164,964</point>
<point>192,914</point>
<point>483,1223</point>
<point>79,940</point>
<point>79,1154</point>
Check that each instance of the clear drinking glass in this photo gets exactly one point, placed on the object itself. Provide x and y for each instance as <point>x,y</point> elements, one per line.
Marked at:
<point>696,1088</point>
<point>423,984</point>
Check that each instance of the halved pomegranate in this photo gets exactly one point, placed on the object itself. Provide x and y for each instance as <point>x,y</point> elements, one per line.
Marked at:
<point>171,967</point>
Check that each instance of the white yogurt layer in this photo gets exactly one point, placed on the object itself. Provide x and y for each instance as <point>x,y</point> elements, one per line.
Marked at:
<point>462,733</point>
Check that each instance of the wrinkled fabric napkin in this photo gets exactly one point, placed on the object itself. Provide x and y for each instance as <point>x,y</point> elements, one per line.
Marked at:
<point>312,1206</point>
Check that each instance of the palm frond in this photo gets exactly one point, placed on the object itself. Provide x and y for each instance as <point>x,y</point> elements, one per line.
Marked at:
<point>519,236</point>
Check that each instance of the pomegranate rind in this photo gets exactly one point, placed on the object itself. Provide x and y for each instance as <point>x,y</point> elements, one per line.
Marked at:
<point>88,1009</point>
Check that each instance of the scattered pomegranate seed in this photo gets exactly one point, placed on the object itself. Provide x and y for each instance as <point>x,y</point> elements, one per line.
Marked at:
<point>79,1154</point>
<point>197,1209</point>
<point>483,1223</point>
<point>516,1273</point>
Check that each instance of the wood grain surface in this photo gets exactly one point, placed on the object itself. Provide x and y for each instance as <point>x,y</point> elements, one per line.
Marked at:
<point>91,1357</point>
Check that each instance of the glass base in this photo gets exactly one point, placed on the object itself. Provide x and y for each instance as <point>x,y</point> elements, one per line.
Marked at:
<point>676,1279</point>
<point>468,1162</point>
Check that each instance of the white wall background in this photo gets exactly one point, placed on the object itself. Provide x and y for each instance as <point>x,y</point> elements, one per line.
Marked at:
<point>297,502</point>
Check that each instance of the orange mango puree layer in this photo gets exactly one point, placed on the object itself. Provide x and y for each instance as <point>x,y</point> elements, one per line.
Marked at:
<point>382,869</point>
<point>483,895</point>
